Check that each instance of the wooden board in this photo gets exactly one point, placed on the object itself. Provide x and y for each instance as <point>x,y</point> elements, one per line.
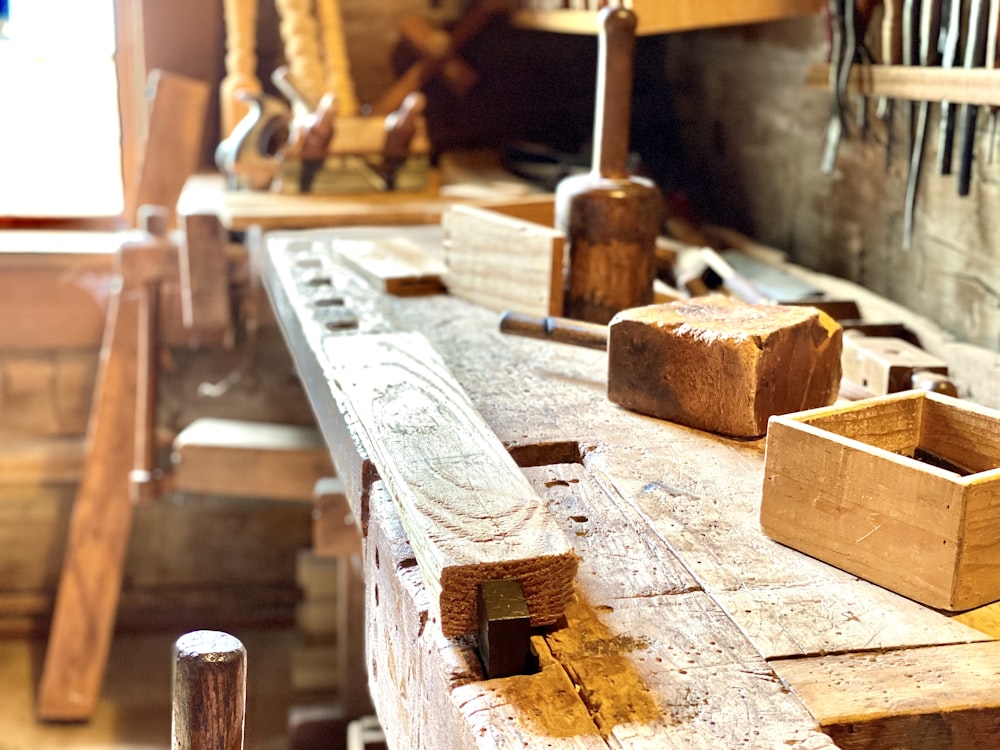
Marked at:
<point>174,141</point>
<point>249,459</point>
<point>457,487</point>
<point>502,262</point>
<point>396,265</point>
<point>98,533</point>
<point>946,696</point>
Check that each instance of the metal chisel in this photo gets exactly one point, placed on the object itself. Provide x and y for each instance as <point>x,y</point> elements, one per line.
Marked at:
<point>975,57</point>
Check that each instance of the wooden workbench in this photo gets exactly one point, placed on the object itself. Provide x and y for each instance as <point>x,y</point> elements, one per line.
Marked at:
<point>689,628</point>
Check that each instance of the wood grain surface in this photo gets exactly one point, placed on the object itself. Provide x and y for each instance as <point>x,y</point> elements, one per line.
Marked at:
<point>686,565</point>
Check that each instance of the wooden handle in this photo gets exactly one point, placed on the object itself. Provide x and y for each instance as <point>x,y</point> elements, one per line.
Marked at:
<point>563,330</point>
<point>209,695</point>
<point>892,33</point>
<point>616,43</point>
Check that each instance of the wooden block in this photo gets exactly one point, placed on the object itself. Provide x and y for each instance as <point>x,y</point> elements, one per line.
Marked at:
<point>503,262</point>
<point>316,576</point>
<point>458,489</point>
<point>249,459</point>
<point>316,619</point>
<point>205,303</point>
<point>335,532</point>
<point>314,668</point>
<point>396,265</point>
<point>174,141</point>
<point>901,490</point>
<point>936,697</point>
<point>885,364</point>
<point>720,365</point>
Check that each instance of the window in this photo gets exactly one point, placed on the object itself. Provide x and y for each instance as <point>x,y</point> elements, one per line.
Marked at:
<point>60,130</point>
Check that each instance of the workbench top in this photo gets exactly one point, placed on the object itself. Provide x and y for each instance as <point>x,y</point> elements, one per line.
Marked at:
<point>688,627</point>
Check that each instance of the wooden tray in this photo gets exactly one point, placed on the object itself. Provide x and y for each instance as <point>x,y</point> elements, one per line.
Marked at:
<point>902,490</point>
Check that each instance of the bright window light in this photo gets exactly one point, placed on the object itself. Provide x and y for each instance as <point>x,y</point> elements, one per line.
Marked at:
<point>60,135</point>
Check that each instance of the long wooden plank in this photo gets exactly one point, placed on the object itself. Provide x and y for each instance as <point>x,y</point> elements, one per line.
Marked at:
<point>100,523</point>
<point>938,697</point>
<point>459,491</point>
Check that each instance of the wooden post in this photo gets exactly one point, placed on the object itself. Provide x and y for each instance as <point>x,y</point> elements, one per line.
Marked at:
<point>209,692</point>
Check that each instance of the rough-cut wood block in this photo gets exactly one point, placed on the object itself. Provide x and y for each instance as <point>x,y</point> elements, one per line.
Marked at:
<point>502,261</point>
<point>249,459</point>
<point>903,490</point>
<point>720,365</point>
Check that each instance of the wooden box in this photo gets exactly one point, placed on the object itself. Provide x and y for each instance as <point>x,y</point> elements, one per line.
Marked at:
<point>901,490</point>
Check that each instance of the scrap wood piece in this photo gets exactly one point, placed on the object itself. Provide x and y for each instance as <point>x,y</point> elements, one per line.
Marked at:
<point>397,265</point>
<point>939,696</point>
<point>503,262</point>
<point>470,513</point>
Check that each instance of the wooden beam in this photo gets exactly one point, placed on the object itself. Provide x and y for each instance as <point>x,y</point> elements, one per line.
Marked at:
<point>957,85</point>
<point>469,511</point>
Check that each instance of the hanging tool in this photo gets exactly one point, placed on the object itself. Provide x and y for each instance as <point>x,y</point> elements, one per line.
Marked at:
<point>843,47</point>
<point>927,38</point>
<point>910,33</point>
<point>992,32</point>
<point>951,30</point>
<point>975,57</point>
<point>892,54</point>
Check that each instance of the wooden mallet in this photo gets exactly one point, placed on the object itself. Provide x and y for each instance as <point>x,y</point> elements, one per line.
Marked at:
<point>610,219</point>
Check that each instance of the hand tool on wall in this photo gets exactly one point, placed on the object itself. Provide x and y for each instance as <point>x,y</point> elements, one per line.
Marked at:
<point>892,54</point>
<point>951,29</point>
<point>992,34</point>
<point>842,51</point>
<point>975,57</point>
<point>928,55</point>
<point>910,33</point>
<point>610,219</point>
<point>712,363</point>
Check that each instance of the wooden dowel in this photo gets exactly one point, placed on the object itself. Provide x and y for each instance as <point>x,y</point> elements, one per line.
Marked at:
<point>563,330</point>
<point>209,692</point>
